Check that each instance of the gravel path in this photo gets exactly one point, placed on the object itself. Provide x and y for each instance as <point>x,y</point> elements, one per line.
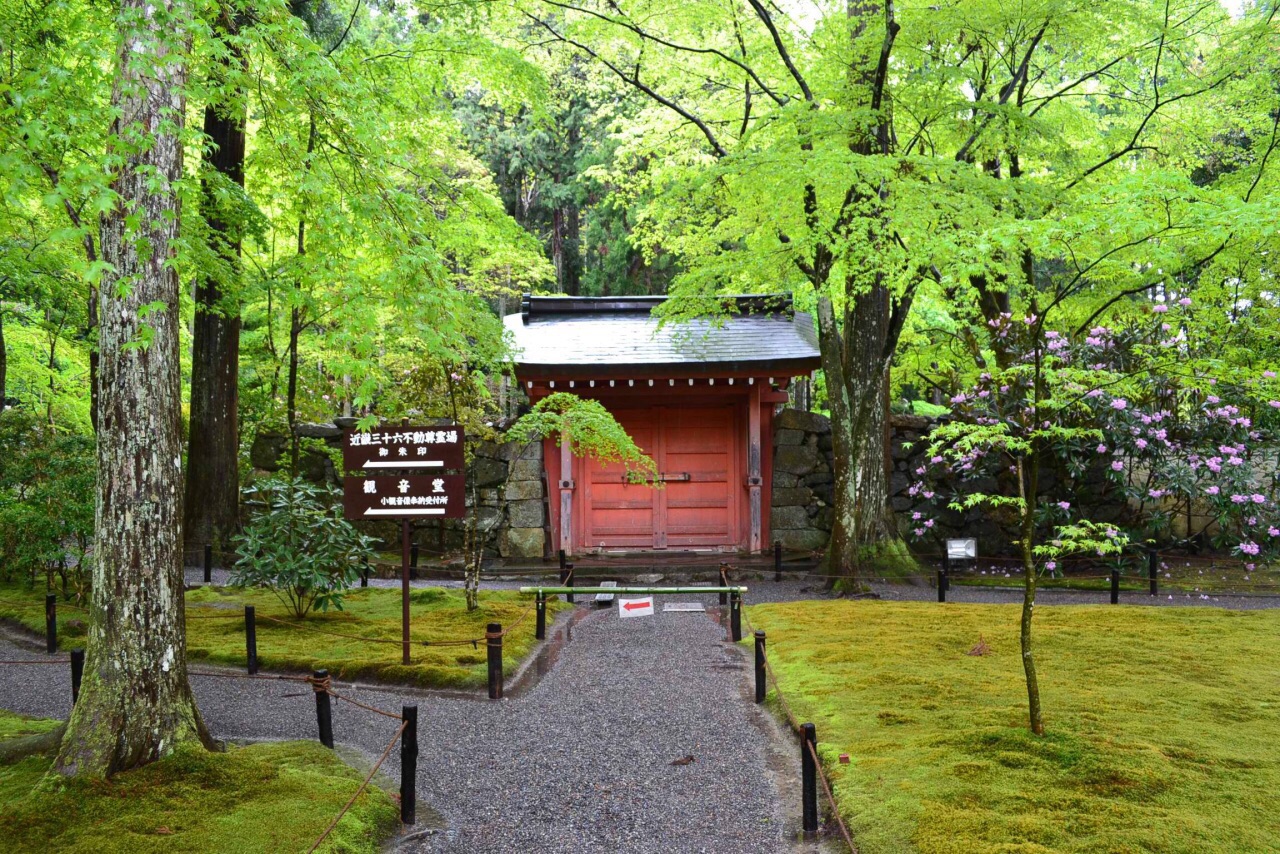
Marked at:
<point>580,761</point>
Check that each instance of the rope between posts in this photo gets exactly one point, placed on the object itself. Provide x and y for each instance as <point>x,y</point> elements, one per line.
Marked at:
<point>36,661</point>
<point>364,785</point>
<point>277,677</point>
<point>356,703</point>
<point>826,787</point>
<point>795,726</point>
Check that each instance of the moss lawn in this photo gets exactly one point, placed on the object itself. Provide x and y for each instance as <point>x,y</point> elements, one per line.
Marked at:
<point>1163,725</point>
<point>215,631</point>
<point>275,797</point>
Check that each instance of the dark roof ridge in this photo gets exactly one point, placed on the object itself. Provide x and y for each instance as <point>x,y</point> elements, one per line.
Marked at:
<point>534,307</point>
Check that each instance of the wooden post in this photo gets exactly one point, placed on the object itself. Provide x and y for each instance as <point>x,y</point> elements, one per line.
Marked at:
<point>754,480</point>
<point>942,585</point>
<point>540,623</point>
<point>364,572</point>
<point>1153,574</point>
<point>208,564</point>
<point>760,672</point>
<point>77,673</point>
<point>51,622</point>
<point>324,713</point>
<point>409,765</point>
<point>413,561</point>
<point>735,615</point>
<point>250,639</point>
<point>566,496</point>
<point>1115,587</point>
<point>777,560</point>
<point>404,591</point>
<point>809,778</point>
<point>493,643</point>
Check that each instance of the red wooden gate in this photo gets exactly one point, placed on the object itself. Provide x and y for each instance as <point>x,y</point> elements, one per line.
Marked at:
<point>697,453</point>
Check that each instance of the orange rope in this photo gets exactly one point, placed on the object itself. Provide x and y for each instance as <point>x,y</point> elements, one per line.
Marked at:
<point>360,790</point>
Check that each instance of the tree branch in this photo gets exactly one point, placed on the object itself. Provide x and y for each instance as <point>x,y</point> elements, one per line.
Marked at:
<point>634,80</point>
<point>763,14</point>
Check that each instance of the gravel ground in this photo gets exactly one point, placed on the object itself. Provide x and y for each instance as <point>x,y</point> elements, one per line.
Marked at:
<point>579,761</point>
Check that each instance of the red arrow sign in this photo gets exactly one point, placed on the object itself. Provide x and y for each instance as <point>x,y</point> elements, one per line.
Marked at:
<point>631,606</point>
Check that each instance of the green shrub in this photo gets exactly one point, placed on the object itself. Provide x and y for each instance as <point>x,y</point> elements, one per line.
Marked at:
<point>298,545</point>
<point>47,486</point>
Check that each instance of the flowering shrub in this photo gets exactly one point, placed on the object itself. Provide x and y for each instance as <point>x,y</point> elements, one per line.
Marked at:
<point>1174,442</point>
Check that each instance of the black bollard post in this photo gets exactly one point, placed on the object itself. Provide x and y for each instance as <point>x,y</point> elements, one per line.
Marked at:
<point>777,560</point>
<point>942,585</point>
<point>1153,567</point>
<point>569,582</point>
<point>760,680</point>
<point>724,582</point>
<point>364,573</point>
<point>413,561</point>
<point>809,777</point>
<point>493,641</point>
<point>208,564</point>
<point>409,765</point>
<point>77,673</point>
<point>1115,587</point>
<point>540,624</point>
<point>51,622</point>
<point>250,640</point>
<point>324,713</point>
<point>735,615</point>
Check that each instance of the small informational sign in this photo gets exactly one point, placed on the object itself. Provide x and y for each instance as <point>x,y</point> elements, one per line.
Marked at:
<point>397,447</point>
<point>962,549</point>
<point>414,496</point>
<point>635,607</point>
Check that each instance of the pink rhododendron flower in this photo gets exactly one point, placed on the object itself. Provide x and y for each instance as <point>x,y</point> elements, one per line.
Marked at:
<point>1065,505</point>
<point>1213,490</point>
<point>1160,308</point>
<point>1258,499</point>
<point>1185,301</point>
<point>1102,449</point>
<point>1116,465</point>
<point>1249,548</point>
<point>1119,403</point>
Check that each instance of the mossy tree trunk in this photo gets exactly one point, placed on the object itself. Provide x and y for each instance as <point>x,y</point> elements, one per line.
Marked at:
<point>855,359</point>
<point>135,703</point>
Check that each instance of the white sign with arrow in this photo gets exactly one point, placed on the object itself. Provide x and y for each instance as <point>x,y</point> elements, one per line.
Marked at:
<point>635,607</point>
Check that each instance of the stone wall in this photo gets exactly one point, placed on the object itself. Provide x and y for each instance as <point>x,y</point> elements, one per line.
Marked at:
<point>803,478</point>
<point>506,491</point>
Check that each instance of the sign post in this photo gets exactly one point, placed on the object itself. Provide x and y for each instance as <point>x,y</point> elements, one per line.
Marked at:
<point>405,478</point>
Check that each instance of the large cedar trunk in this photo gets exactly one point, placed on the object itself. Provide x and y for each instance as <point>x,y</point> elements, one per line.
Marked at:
<point>135,704</point>
<point>213,476</point>
<point>857,390</point>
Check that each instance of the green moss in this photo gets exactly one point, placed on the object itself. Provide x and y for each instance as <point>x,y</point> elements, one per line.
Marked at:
<point>1162,725</point>
<point>215,632</point>
<point>275,797</point>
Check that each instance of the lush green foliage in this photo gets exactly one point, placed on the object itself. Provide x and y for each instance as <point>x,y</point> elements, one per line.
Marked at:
<point>589,428</point>
<point>46,504</point>
<point>1160,722</point>
<point>298,544</point>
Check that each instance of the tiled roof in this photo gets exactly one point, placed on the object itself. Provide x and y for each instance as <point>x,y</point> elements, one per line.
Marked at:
<point>616,337</point>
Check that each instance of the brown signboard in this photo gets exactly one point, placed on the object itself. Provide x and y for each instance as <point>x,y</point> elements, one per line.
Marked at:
<point>414,496</point>
<point>388,446</point>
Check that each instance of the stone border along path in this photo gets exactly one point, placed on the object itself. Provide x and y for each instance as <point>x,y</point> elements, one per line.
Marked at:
<point>579,762</point>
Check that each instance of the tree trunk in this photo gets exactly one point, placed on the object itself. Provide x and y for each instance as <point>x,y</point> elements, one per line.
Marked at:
<point>4,364</point>
<point>295,318</point>
<point>135,704</point>
<point>212,505</point>
<point>863,535</point>
<point>1028,483</point>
